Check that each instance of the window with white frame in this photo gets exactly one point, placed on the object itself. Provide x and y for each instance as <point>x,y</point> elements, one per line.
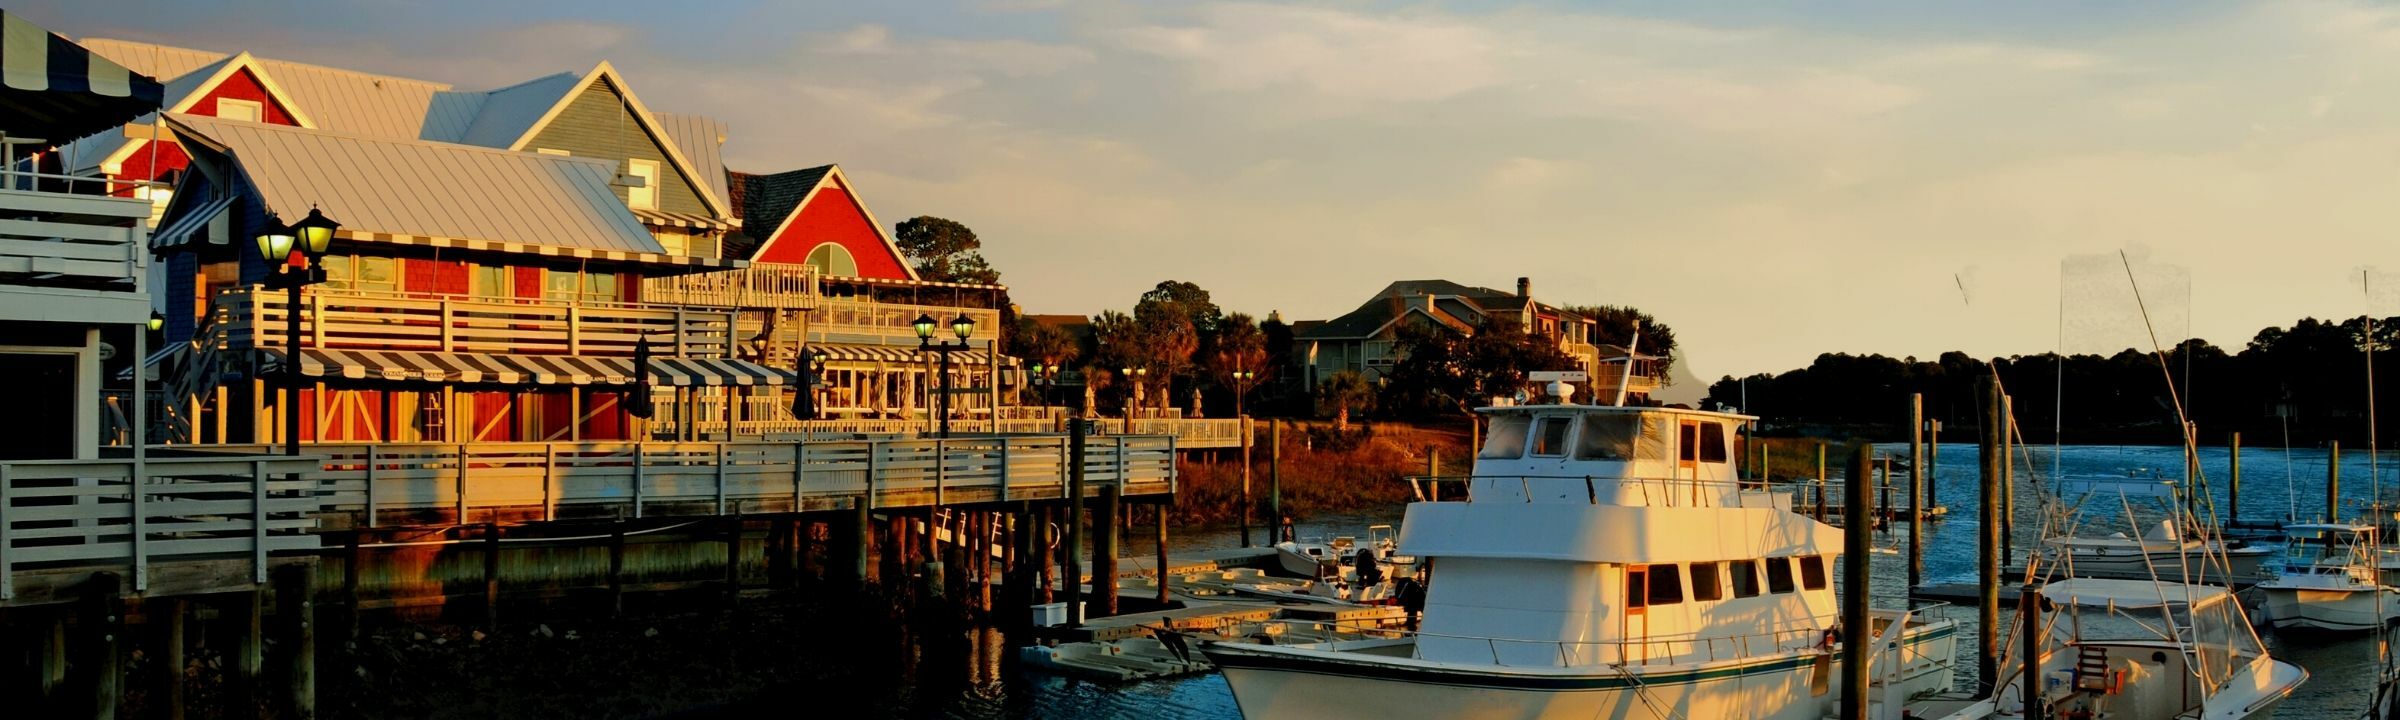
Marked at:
<point>243,110</point>
<point>645,196</point>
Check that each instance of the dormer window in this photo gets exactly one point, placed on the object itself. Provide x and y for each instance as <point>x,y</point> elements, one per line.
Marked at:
<point>243,110</point>
<point>642,194</point>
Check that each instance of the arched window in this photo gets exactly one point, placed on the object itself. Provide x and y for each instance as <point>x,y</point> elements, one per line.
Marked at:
<point>833,260</point>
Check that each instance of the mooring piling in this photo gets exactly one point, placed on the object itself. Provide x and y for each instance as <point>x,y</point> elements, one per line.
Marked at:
<point>1073,548</point>
<point>1104,552</point>
<point>1858,542</point>
<point>1916,490</point>
<point>2333,481</point>
<point>1987,541</point>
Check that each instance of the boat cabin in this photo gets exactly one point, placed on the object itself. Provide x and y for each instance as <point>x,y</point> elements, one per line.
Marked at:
<point>2329,549</point>
<point>1609,455</point>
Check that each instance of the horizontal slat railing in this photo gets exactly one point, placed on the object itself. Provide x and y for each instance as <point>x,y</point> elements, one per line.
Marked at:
<point>399,321</point>
<point>897,320</point>
<point>122,513</point>
<point>648,479</point>
<point>762,285</point>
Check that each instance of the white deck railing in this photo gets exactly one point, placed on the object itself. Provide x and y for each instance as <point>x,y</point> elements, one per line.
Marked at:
<point>597,479</point>
<point>254,317</point>
<point>132,514</point>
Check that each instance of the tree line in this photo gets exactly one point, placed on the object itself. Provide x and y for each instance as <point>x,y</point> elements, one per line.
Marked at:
<point>2309,380</point>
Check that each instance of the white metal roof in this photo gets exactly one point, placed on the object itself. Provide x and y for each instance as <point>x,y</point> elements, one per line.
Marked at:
<point>2129,594</point>
<point>702,140</point>
<point>508,111</point>
<point>420,188</point>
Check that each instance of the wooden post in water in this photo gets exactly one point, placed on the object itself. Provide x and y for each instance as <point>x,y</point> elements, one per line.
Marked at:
<point>2029,629</point>
<point>733,557</point>
<point>1885,515</point>
<point>616,567</point>
<point>295,590</point>
<point>936,576</point>
<point>1275,480</point>
<point>862,542</point>
<point>491,575</point>
<point>1916,490</point>
<point>1073,548</point>
<point>2233,489</point>
<point>2008,480</point>
<point>53,661</point>
<point>1987,544</point>
<point>1247,431</point>
<point>1933,457</point>
<point>2333,482</point>
<point>1044,553</point>
<point>171,679</point>
<point>1822,500</point>
<point>1858,636</point>
<point>249,653</point>
<point>104,608</point>
<point>1104,552</point>
<point>350,569</point>
<point>1161,510</point>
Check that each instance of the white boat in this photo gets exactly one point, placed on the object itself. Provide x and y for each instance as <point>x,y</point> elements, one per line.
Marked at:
<point>2329,581</point>
<point>2143,650</point>
<point>1605,564</point>
<point>2163,551</point>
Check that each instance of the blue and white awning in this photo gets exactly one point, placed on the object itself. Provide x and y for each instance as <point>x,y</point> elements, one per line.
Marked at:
<point>55,90</point>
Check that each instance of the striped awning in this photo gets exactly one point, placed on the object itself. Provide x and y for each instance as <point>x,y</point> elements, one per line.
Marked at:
<point>546,250</point>
<point>484,368</point>
<point>57,90</point>
<point>661,218</point>
<point>835,352</point>
<point>189,224</point>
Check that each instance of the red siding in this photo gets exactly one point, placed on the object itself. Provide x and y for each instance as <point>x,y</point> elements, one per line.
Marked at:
<point>240,86</point>
<point>607,421</point>
<point>490,405</point>
<point>834,216</point>
<point>529,282</point>
<point>446,277</point>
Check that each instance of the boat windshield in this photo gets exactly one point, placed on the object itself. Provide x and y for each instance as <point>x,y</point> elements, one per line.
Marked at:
<point>2214,632</point>
<point>1608,436</point>
<point>1506,439</point>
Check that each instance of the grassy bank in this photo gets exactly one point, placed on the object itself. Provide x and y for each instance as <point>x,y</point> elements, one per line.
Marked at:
<point>1325,470</point>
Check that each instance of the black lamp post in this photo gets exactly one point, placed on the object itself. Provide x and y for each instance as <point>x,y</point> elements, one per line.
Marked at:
<point>157,322</point>
<point>962,326</point>
<point>1045,376</point>
<point>276,242</point>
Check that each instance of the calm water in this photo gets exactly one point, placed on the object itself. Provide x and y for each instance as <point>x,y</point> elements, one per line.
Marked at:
<point>2342,670</point>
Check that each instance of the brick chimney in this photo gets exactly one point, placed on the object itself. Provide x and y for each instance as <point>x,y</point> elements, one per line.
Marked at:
<point>1524,287</point>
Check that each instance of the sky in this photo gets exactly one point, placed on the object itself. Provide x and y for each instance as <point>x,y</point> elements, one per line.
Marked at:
<point>1773,180</point>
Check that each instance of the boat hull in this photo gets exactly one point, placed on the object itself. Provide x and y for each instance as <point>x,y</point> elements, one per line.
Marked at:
<point>2243,565</point>
<point>1273,684</point>
<point>2330,610</point>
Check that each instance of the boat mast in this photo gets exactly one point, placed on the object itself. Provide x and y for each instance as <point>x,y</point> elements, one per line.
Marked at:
<point>1633,349</point>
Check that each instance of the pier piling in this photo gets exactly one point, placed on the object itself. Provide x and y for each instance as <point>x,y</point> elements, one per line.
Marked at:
<point>104,607</point>
<point>170,677</point>
<point>1104,552</point>
<point>862,541</point>
<point>2008,480</point>
<point>1275,480</point>
<point>2233,487</point>
<point>1822,499</point>
<point>1916,490</point>
<point>296,611</point>
<point>1987,545</point>
<point>491,576</point>
<point>1073,547</point>
<point>2029,629</point>
<point>1857,560</point>
<point>2333,482</point>
<point>1160,513</point>
<point>249,653</point>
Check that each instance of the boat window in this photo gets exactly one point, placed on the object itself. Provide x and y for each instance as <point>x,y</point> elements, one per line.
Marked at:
<point>1637,588</point>
<point>1550,436</point>
<point>1812,572</point>
<point>1779,575</point>
<point>1712,442</point>
<point>1607,437</point>
<point>1653,445</point>
<point>1506,439</point>
<point>1704,583</point>
<point>1666,584</point>
<point>1688,443</point>
<point>1745,577</point>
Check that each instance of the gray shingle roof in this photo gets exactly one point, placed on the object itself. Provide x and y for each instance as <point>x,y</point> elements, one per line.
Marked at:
<point>768,199</point>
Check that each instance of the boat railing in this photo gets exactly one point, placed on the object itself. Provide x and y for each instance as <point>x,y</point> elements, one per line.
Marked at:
<point>1657,649</point>
<point>1594,489</point>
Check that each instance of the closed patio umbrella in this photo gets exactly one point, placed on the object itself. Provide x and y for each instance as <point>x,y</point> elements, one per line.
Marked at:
<point>639,405</point>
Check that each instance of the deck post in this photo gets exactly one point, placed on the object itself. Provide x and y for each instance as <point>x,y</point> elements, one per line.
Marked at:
<point>105,608</point>
<point>294,587</point>
<point>1916,490</point>
<point>491,574</point>
<point>170,680</point>
<point>862,541</point>
<point>1072,549</point>
<point>1858,533</point>
<point>1104,551</point>
<point>1987,545</point>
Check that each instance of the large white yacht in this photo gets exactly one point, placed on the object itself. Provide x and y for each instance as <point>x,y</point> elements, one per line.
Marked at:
<point>1605,564</point>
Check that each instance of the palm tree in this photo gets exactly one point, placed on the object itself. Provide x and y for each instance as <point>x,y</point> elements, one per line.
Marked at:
<point>1346,390</point>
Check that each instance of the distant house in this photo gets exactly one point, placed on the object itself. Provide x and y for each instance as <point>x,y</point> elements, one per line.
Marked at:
<point>1365,340</point>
